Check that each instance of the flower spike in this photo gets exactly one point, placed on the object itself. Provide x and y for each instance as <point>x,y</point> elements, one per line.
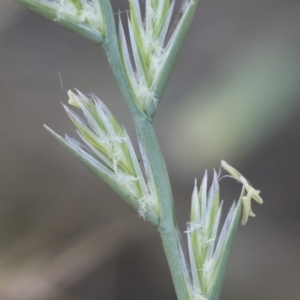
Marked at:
<point>208,250</point>
<point>154,45</point>
<point>108,152</point>
<point>209,246</point>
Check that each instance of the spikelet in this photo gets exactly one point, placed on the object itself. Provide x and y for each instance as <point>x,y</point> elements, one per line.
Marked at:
<point>209,245</point>
<point>152,43</point>
<point>108,152</point>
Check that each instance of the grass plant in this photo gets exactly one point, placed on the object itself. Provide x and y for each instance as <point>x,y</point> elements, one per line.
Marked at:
<point>142,64</point>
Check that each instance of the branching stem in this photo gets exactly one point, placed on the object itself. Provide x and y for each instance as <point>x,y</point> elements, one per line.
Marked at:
<point>167,226</point>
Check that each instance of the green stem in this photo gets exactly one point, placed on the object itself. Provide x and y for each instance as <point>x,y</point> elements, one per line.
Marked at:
<point>167,226</point>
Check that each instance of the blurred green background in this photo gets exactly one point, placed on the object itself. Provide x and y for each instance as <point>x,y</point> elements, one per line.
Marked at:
<point>234,95</point>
